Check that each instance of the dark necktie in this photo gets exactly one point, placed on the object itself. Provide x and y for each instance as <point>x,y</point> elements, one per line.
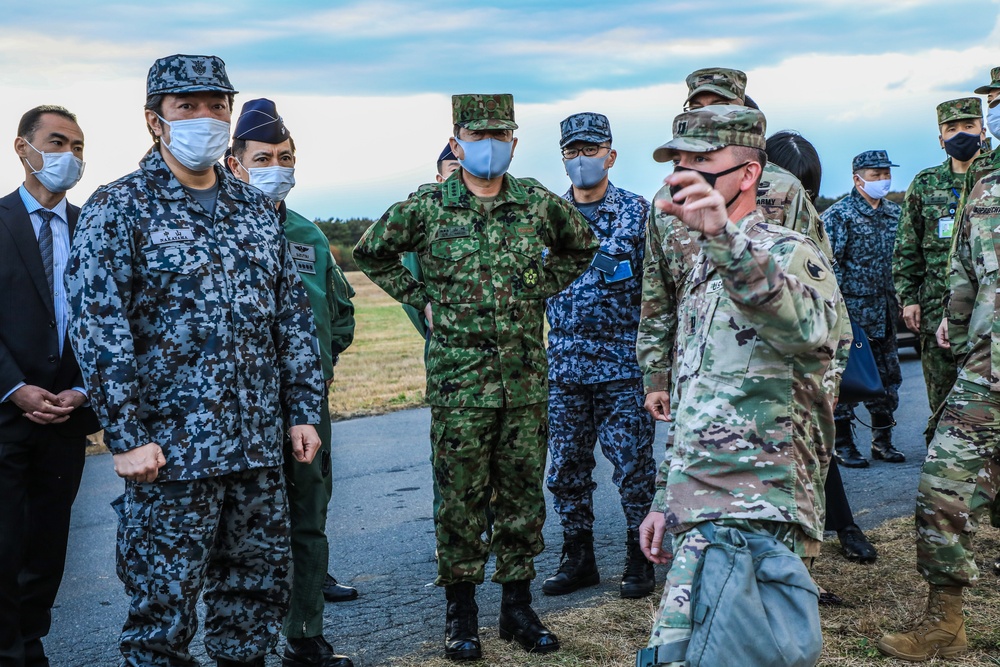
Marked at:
<point>45,243</point>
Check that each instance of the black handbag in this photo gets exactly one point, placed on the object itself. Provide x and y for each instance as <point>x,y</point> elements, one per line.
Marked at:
<point>860,380</point>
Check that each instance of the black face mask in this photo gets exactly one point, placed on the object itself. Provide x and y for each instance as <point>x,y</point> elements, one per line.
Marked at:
<point>963,146</point>
<point>709,177</point>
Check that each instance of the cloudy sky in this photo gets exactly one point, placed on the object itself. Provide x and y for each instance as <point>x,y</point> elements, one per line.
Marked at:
<point>365,87</point>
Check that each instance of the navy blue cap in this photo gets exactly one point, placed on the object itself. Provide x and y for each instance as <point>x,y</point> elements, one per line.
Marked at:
<point>446,154</point>
<point>872,160</point>
<point>259,121</point>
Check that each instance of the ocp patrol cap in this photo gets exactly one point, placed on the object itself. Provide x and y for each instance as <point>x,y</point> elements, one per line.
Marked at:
<point>483,112</point>
<point>713,127</point>
<point>994,83</point>
<point>587,126</point>
<point>872,160</point>
<point>188,74</point>
<point>965,107</point>
<point>730,83</point>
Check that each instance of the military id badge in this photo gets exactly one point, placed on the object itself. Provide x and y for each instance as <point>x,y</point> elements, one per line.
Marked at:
<point>945,227</point>
<point>622,272</point>
<point>604,263</point>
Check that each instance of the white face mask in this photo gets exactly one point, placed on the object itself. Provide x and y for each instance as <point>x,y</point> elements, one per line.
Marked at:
<point>197,143</point>
<point>59,172</point>
<point>876,189</point>
<point>275,182</point>
<point>993,120</point>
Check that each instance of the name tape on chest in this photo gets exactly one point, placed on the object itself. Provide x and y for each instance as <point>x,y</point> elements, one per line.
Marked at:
<point>457,232</point>
<point>303,251</point>
<point>161,236</point>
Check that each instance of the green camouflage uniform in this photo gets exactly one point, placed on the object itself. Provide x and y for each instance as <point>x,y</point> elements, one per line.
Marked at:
<point>920,258</point>
<point>960,475</point>
<point>920,270</point>
<point>755,327</point>
<point>486,280</point>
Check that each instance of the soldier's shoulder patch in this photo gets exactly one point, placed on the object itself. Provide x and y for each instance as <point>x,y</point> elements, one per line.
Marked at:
<point>815,270</point>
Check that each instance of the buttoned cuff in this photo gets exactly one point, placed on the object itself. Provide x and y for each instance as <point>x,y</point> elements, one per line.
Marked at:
<point>9,393</point>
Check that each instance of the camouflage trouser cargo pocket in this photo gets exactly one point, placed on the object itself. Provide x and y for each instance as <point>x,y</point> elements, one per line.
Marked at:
<point>132,553</point>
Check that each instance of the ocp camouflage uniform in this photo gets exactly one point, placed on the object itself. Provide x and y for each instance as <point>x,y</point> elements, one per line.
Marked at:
<point>862,240</point>
<point>486,366</point>
<point>595,388</point>
<point>982,166</point>
<point>920,270</point>
<point>759,324</point>
<point>960,475</point>
<point>194,332</point>
<point>310,485</point>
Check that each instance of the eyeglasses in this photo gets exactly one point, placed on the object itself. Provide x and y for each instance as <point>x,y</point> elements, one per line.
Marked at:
<point>590,150</point>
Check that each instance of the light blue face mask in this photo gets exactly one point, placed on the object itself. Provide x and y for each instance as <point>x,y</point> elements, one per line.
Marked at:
<point>586,172</point>
<point>993,121</point>
<point>486,158</point>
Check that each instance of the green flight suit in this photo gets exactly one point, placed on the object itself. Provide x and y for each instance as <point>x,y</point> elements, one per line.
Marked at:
<point>310,485</point>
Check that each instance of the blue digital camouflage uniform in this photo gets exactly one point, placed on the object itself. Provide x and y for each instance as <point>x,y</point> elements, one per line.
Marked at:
<point>863,238</point>
<point>195,333</point>
<point>595,385</point>
<point>961,473</point>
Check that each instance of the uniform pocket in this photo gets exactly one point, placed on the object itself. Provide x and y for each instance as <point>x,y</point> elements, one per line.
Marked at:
<point>132,552</point>
<point>526,253</point>
<point>452,269</point>
<point>183,259</point>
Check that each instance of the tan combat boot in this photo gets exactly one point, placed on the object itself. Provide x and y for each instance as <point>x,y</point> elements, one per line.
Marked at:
<point>941,631</point>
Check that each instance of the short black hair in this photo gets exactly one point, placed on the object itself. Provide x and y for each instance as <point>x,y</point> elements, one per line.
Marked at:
<point>155,104</point>
<point>239,147</point>
<point>33,117</point>
<point>791,151</point>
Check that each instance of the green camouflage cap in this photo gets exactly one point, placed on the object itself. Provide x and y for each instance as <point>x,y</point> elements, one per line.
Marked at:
<point>966,107</point>
<point>994,83</point>
<point>713,127</point>
<point>187,74</point>
<point>730,83</point>
<point>483,112</point>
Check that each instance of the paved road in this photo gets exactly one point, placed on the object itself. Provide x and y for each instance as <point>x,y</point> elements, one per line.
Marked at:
<point>383,539</point>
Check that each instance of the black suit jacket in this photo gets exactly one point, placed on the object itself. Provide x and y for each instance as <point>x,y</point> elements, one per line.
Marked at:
<point>29,342</point>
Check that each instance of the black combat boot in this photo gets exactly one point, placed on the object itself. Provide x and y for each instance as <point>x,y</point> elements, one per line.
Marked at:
<point>518,621</point>
<point>882,449</point>
<point>638,579</point>
<point>847,454</point>
<point>312,652</point>
<point>577,567</point>
<point>461,626</point>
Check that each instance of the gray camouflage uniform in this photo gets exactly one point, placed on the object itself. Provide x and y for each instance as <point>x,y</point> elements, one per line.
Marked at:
<point>194,332</point>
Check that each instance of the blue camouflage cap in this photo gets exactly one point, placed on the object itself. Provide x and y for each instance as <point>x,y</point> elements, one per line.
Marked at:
<point>259,121</point>
<point>188,74</point>
<point>872,160</point>
<point>587,126</point>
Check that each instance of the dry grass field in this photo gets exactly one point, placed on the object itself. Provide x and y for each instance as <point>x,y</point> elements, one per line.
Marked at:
<point>878,598</point>
<point>384,369</point>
